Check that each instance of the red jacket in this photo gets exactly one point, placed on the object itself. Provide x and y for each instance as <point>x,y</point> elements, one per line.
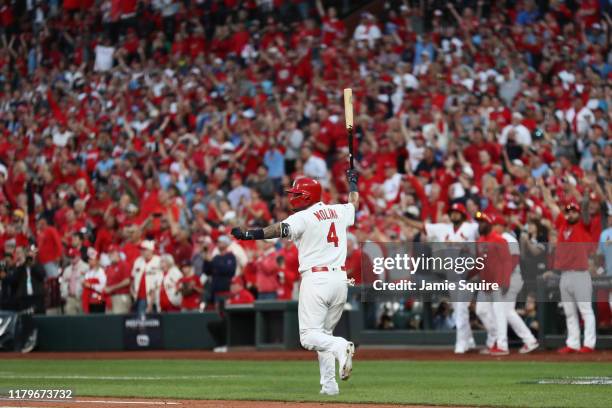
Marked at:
<point>574,246</point>
<point>267,270</point>
<point>116,273</point>
<point>192,301</point>
<point>49,245</point>
<point>241,297</point>
<point>498,263</point>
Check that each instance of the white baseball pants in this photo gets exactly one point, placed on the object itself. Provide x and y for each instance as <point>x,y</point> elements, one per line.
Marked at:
<point>460,301</point>
<point>576,293</point>
<point>464,339</point>
<point>493,313</point>
<point>321,302</point>
<point>496,311</point>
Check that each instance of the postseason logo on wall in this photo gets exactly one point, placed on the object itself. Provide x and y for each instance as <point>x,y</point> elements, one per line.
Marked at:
<point>142,332</point>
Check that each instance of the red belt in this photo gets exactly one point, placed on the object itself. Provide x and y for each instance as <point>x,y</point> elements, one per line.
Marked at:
<point>325,269</point>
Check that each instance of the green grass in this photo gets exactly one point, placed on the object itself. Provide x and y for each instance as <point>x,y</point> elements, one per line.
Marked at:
<point>503,384</point>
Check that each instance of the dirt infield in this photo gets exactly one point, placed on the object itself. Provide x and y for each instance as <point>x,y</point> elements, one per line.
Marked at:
<point>133,402</point>
<point>604,356</point>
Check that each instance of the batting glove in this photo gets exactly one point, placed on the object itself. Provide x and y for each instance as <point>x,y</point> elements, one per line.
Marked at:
<point>238,233</point>
<point>353,177</point>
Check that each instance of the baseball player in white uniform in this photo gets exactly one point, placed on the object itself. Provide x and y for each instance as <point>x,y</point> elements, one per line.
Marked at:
<point>461,231</point>
<point>499,312</point>
<point>319,232</point>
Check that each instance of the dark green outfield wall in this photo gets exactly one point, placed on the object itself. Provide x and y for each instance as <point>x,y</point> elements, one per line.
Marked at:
<point>106,332</point>
<point>79,333</point>
<point>183,331</point>
<point>273,326</point>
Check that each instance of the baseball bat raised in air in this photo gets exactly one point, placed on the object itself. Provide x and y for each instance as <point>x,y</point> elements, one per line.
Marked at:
<point>348,116</point>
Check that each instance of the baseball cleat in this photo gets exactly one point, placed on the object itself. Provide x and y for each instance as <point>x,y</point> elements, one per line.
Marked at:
<point>496,351</point>
<point>330,389</point>
<point>567,350</point>
<point>346,362</point>
<point>485,351</point>
<point>586,349</point>
<point>528,348</point>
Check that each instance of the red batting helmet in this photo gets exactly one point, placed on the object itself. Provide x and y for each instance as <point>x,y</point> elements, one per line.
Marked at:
<point>480,216</point>
<point>304,193</point>
<point>572,205</point>
<point>459,208</point>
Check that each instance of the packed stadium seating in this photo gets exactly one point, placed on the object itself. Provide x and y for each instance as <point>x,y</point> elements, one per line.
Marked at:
<point>169,122</point>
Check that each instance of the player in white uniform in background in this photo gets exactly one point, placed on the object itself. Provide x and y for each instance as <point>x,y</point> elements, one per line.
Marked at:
<point>494,313</point>
<point>319,232</point>
<point>458,230</point>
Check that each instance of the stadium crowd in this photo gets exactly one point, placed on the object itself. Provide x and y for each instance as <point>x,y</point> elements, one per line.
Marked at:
<point>135,134</point>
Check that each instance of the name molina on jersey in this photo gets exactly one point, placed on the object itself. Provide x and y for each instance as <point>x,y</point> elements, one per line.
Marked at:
<point>326,214</point>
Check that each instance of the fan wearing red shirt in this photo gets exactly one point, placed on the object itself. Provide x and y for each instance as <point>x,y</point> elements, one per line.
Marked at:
<point>106,235</point>
<point>182,248</point>
<point>288,257</point>
<point>191,288</point>
<point>50,248</point>
<point>257,210</point>
<point>571,258</point>
<point>15,229</point>
<point>332,28</point>
<point>589,12</point>
<point>239,39</point>
<point>238,294</point>
<point>6,15</point>
<point>267,271</point>
<point>118,279</point>
<point>478,143</point>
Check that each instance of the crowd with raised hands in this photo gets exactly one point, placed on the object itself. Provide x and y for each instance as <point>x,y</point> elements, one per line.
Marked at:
<point>135,134</point>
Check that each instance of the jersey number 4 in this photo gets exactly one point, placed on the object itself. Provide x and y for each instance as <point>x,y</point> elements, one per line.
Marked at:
<point>331,235</point>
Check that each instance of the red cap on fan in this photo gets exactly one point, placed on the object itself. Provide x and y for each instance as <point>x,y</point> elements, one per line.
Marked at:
<point>459,208</point>
<point>498,220</point>
<point>593,196</point>
<point>238,280</point>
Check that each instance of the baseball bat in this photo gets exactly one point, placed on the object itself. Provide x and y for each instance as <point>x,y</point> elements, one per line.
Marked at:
<point>348,116</point>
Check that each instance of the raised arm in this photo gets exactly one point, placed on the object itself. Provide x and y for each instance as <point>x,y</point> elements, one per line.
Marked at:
<point>320,9</point>
<point>453,11</point>
<point>416,224</point>
<point>549,200</point>
<point>278,230</point>
<point>353,198</point>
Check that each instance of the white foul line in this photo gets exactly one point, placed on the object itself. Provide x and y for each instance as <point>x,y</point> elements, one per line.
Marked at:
<point>113,377</point>
<point>90,402</point>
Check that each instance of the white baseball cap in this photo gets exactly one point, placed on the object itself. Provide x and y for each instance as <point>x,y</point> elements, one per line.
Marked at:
<point>147,244</point>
